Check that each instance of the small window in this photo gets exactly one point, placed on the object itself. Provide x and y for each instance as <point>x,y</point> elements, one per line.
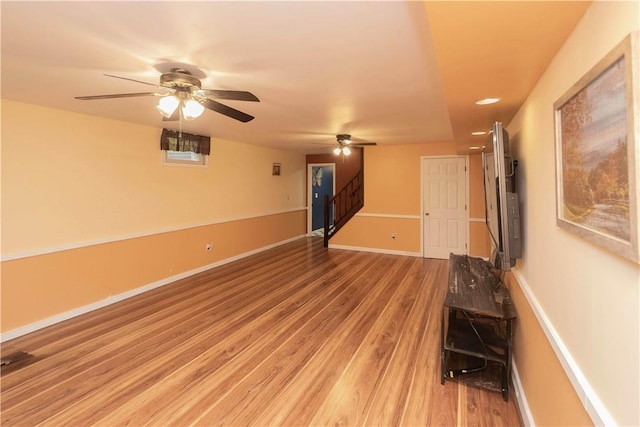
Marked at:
<point>184,148</point>
<point>184,157</point>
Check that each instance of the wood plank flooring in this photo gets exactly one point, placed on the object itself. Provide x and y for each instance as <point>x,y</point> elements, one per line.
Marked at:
<point>297,335</point>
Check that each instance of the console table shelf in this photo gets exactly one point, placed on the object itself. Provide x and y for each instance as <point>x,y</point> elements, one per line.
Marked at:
<point>476,336</point>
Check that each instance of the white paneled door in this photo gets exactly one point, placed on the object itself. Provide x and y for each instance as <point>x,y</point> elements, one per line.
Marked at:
<point>444,205</point>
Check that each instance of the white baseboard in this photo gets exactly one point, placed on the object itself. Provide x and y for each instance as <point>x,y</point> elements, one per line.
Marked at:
<point>589,398</point>
<point>40,324</point>
<point>521,398</point>
<point>375,250</point>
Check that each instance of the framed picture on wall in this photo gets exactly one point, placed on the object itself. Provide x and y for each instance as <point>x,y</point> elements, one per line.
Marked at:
<point>275,170</point>
<point>596,126</point>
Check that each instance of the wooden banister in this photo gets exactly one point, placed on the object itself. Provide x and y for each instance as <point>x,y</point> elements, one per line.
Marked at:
<point>344,205</point>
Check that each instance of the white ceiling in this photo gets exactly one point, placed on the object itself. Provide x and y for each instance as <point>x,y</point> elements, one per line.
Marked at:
<point>319,68</point>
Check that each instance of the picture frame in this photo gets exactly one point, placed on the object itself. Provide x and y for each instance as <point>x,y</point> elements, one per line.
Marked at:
<point>275,170</point>
<point>596,132</point>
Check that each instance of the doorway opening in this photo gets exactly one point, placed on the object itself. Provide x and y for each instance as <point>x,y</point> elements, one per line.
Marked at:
<point>321,182</point>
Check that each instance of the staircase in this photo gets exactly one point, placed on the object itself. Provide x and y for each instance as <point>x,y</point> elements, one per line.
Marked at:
<point>344,205</point>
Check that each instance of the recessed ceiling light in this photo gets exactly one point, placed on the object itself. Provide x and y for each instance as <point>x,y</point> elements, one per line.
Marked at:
<point>478,133</point>
<point>486,101</point>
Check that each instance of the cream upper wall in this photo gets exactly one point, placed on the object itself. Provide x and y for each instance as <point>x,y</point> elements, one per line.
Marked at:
<point>392,176</point>
<point>70,179</point>
<point>590,296</point>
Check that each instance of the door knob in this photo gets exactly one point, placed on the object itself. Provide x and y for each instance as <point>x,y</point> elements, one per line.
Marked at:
<point>426,213</point>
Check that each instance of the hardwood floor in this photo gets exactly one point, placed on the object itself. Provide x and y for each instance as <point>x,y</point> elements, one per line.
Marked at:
<point>298,335</point>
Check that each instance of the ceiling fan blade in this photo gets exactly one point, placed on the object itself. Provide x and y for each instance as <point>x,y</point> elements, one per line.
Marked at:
<point>362,144</point>
<point>115,95</point>
<point>227,111</point>
<point>131,80</point>
<point>235,95</point>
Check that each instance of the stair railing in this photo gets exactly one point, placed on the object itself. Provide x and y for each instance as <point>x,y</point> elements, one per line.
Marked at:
<point>344,205</point>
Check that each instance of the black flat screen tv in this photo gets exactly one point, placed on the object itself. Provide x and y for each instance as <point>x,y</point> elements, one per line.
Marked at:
<point>502,208</point>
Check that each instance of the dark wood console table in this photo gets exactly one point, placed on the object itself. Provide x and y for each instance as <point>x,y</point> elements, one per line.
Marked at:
<point>476,336</point>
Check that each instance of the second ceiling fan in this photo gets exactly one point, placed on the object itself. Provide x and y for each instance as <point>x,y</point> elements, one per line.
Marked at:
<point>344,144</point>
<point>182,96</point>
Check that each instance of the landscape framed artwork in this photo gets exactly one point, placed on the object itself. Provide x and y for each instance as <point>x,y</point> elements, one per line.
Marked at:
<point>596,126</point>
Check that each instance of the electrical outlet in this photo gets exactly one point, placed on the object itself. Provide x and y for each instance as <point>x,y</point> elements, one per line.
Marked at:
<point>207,247</point>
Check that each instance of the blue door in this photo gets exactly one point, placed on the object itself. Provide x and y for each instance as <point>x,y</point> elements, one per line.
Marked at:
<point>321,184</point>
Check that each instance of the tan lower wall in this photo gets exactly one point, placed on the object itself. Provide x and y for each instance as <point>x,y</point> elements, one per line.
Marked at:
<point>375,233</point>
<point>38,287</point>
<point>550,395</point>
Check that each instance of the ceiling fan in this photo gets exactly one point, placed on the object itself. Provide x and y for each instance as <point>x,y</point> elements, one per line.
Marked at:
<point>181,96</point>
<point>344,144</point>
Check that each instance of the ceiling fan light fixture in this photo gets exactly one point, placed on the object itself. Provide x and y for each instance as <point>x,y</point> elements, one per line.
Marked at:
<point>178,87</point>
<point>192,109</point>
<point>346,151</point>
<point>337,151</point>
<point>167,105</point>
